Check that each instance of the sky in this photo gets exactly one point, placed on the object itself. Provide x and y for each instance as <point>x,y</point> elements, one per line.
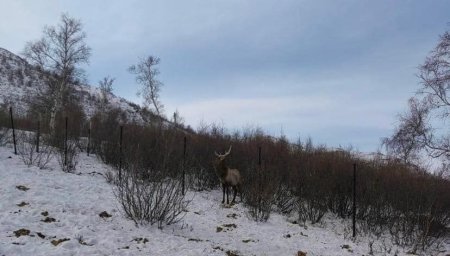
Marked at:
<point>338,71</point>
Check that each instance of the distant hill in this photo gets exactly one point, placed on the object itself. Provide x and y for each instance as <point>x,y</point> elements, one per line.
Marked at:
<point>19,81</point>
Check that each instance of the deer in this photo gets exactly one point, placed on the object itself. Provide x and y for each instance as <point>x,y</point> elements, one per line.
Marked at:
<point>228,177</point>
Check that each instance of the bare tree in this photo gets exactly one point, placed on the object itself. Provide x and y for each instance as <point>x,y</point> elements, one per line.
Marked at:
<point>408,139</point>
<point>106,89</point>
<point>146,73</point>
<point>177,119</point>
<point>425,127</point>
<point>57,55</point>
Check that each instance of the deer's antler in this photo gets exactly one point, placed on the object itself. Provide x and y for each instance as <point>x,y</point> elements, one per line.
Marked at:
<point>224,155</point>
<point>228,152</point>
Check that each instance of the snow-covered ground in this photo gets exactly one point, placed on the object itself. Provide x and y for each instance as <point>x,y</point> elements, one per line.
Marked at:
<point>64,206</point>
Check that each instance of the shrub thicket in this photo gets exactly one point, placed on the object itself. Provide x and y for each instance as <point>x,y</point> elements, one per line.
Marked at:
<point>404,200</point>
<point>28,152</point>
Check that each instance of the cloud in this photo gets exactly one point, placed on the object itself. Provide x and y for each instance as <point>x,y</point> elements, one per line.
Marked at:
<point>339,71</point>
<point>236,112</point>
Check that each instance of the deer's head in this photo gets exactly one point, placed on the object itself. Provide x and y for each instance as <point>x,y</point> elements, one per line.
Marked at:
<point>221,157</point>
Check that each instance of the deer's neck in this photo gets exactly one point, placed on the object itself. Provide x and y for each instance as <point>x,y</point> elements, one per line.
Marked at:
<point>222,169</point>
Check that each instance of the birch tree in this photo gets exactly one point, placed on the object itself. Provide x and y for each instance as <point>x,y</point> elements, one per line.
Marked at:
<point>424,127</point>
<point>146,73</point>
<point>58,56</point>
<point>106,89</point>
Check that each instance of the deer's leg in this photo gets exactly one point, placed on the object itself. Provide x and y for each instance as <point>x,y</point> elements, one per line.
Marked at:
<point>240,191</point>
<point>223,189</point>
<point>228,190</point>
<point>234,193</point>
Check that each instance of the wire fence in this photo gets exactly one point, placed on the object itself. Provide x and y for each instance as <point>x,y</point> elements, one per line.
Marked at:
<point>301,178</point>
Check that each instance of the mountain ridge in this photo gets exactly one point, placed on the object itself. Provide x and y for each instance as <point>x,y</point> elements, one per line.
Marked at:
<point>19,81</point>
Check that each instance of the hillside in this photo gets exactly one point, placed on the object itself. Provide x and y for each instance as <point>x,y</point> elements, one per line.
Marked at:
<point>53,205</point>
<point>19,80</point>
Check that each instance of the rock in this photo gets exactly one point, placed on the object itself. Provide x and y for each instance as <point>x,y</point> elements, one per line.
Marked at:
<point>104,214</point>
<point>230,225</point>
<point>22,187</point>
<point>48,220</point>
<point>22,232</point>
<point>141,240</point>
<point>195,240</point>
<point>233,215</point>
<point>57,242</point>
<point>22,204</point>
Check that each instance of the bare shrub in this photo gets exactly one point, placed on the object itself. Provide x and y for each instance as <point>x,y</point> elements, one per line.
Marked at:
<point>313,186</point>
<point>259,197</point>
<point>414,212</point>
<point>285,199</point>
<point>199,179</point>
<point>311,209</point>
<point>4,135</point>
<point>158,202</point>
<point>68,156</point>
<point>4,125</point>
<point>302,178</point>
<point>26,147</point>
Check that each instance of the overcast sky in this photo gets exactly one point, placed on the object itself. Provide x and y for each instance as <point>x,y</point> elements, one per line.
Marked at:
<point>338,71</point>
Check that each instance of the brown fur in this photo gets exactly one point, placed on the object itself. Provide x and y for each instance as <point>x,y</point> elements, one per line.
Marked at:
<point>228,177</point>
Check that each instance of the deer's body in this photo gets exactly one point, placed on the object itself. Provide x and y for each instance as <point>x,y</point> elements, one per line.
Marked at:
<point>228,177</point>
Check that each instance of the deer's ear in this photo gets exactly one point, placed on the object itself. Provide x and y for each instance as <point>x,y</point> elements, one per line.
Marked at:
<point>215,153</point>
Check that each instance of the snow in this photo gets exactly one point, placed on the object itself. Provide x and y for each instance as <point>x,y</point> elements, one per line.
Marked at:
<point>17,91</point>
<point>209,228</point>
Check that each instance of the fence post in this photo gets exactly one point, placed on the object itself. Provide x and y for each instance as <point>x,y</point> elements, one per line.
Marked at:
<point>89,139</point>
<point>259,158</point>
<point>354,200</point>
<point>13,131</point>
<point>260,180</point>
<point>184,164</point>
<point>38,134</point>
<point>65,143</point>
<point>120,152</point>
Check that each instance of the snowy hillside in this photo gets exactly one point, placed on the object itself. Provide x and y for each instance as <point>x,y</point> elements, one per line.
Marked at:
<point>19,80</point>
<point>48,212</point>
